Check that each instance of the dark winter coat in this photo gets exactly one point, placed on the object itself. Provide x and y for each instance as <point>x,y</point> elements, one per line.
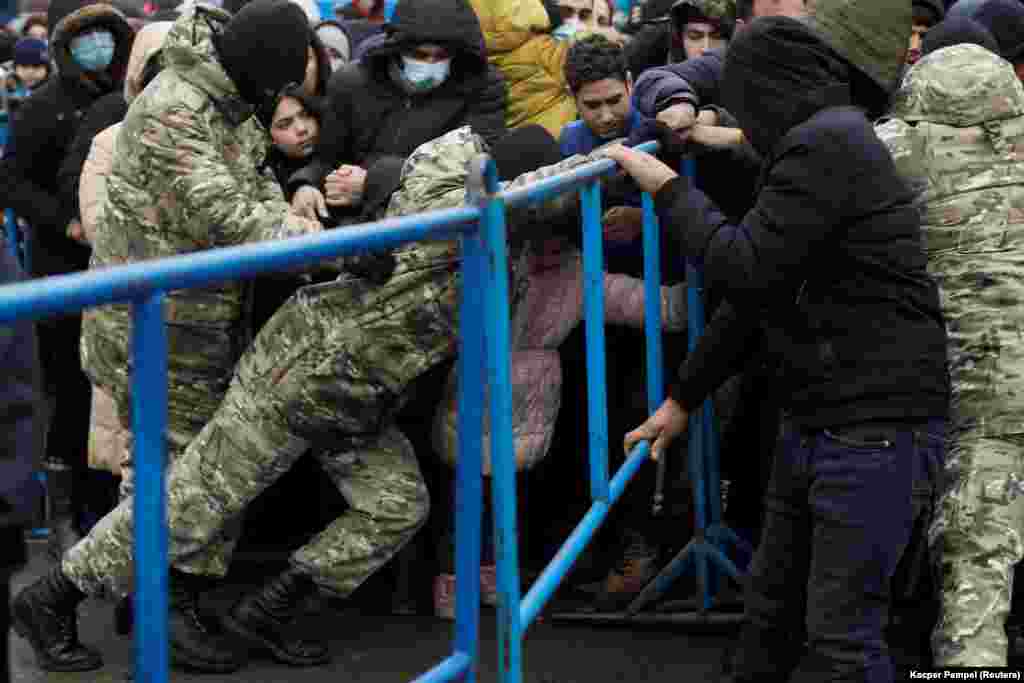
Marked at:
<point>369,116</point>
<point>44,128</point>
<point>19,406</point>
<point>829,263</point>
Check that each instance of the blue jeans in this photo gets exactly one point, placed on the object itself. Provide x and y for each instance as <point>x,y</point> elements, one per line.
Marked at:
<point>840,508</point>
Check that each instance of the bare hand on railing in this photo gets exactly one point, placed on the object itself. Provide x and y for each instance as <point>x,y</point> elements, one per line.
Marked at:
<point>716,137</point>
<point>623,224</point>
<point>76,232</point>
<point>345,186</point>
<point>661,429</point>
<point>649,173</point>
<point>680,118</point>
<point>308,202</point>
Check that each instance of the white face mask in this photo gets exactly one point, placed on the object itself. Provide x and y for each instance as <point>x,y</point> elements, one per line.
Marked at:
<point>426,75</point>
<point>566,30</point>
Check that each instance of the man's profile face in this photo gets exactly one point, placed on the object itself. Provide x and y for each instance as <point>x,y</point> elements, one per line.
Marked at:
<point>701,36</point>
<point>604,107</point>
<point>917,34</point>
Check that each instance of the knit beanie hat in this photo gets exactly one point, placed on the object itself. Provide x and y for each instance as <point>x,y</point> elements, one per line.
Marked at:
<point>958,30</point>
<point>1004,19</point>
<point>264,48</point>
<point>525,149</point>
<point>932,10</point>
<point>31,52</point>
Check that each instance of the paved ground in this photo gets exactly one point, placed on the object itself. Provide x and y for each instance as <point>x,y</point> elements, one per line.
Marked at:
<point>376,648</point>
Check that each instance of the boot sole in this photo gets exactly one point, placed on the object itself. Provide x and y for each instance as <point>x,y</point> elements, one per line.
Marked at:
<point>234,626</point>
<point>187,662</point>
<point>20,626</point>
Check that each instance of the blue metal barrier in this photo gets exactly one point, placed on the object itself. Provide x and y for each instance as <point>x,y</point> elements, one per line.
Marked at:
<point>484,331</point>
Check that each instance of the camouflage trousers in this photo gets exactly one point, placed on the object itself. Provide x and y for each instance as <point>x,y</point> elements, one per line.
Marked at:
<point>188,410</point>
<point>977,534</point>
<point>327,371</point>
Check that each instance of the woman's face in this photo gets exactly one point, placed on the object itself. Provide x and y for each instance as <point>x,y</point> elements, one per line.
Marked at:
<point>294,130</point>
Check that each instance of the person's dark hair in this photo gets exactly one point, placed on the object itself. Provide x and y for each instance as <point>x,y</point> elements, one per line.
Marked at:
<point>154,65</point>
<point>593,59</point>
<point>958,30</point>
<point>744,9</point>
<point>34,20</point>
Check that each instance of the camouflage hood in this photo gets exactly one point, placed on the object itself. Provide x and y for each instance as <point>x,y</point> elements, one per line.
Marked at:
<point>189,51</point>
<point>961,86</point>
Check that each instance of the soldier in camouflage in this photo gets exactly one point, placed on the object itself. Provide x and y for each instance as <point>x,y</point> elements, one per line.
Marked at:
<point>957,130</point>
<point>185,178</point>
<point>328,370</point>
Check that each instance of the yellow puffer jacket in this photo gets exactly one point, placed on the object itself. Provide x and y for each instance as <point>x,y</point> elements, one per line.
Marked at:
<point>520,45</point>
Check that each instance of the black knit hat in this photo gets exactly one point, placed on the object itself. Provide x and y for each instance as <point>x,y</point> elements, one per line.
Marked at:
<point>1004,19</point>
<point>934,10</point>
<point>525,149</point>
<point>31,52</point>
<point>264,48</point>
<point>957,30</point>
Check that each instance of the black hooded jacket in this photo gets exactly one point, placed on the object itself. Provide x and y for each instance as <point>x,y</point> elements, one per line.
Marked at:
<point>369,116</point>
<point>829,263</point>
<point>45,126</point>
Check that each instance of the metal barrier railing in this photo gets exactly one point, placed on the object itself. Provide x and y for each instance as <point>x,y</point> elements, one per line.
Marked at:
<point>484,342</point>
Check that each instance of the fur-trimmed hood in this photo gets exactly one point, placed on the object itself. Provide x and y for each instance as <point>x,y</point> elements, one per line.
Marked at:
<point>69,18</point>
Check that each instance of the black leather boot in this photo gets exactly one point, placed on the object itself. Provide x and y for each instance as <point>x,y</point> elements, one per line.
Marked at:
<point>46,615</point>
<point>265,617</point>
<point>195,644</point>
<point>64,532</point>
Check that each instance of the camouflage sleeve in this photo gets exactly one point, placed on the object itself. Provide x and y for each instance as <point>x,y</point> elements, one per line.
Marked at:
<point>535,214</point>
<point>434,175</point>
<point>907,149</point>
<point>180,142</point>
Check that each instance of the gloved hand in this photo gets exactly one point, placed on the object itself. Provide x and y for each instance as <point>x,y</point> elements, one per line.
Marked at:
<point>376,267</point>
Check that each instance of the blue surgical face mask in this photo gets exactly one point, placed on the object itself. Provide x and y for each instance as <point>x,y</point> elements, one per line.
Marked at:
<point>566,30</point>
<point>93,51</point>
<point>426,75</point>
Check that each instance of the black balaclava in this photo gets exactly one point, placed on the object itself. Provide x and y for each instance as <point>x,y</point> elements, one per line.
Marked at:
<point>778,73</point>
<point>957,30</point>
<point>525,149</point>
<point>264,47</point>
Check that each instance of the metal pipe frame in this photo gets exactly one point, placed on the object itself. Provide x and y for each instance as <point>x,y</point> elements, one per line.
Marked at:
<point>484,331</point>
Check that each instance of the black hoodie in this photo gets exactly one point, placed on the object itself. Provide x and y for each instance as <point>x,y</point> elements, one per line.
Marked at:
<point>45,126</point>
<point>369,116</point>
<point>829,263</point>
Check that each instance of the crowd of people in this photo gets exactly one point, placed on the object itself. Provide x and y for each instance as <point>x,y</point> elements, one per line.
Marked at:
<point>855,213</point>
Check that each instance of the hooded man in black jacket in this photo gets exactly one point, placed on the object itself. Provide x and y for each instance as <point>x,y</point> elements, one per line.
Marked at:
<point>829,265</point>
<point>82,32</point>
<point>429,77</point>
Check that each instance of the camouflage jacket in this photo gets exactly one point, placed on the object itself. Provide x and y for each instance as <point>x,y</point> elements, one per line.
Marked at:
<point>957,132</point>
<point>185,179</point>
<point>434,177</point>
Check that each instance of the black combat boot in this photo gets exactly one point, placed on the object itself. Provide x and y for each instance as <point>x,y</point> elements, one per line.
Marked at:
<point>195,644</point>
<point>64,530</point>
<point>46,615</point>
<point>265,617</point>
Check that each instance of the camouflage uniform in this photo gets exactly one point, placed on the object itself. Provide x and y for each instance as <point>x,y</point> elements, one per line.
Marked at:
<point>184,179</point>
<point>329,369</point>
<point>957,130</point>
